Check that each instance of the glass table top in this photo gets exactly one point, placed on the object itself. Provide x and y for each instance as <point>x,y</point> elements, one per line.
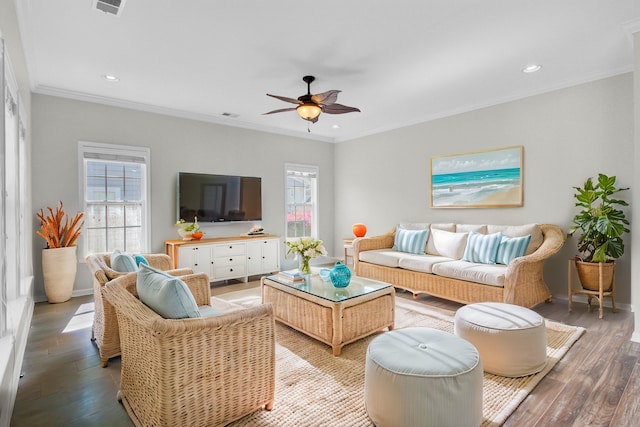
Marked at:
<point>358,286</point>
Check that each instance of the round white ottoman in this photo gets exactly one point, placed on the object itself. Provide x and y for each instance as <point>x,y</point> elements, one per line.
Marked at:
<point>422,377</point>
<point>512,340</point>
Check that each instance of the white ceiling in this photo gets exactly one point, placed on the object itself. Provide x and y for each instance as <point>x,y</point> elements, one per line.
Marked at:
<point>401,62</point>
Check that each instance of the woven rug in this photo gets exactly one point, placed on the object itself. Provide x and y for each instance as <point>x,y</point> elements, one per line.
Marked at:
<point>314,388</point>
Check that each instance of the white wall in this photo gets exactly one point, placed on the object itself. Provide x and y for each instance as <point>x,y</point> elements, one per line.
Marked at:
<point>176,145</point>
<point>18,307</point>
<point>635,276</point>
<point>568,135</point>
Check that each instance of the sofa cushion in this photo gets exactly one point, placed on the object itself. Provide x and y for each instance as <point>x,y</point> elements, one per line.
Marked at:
<point>519,231</point>
<point>482,248</point>
<point>123,262</point>
<point>487,274</point>
<point>421,263</point>
<point>167,295</point>
<point>448,244</point>
<point>465,228</point>
<point>415,225</point>
<point>208,311</point>
<point>431,249</point>
<point>512,247</point>
<point>386,257</point>
<point>412,241</point>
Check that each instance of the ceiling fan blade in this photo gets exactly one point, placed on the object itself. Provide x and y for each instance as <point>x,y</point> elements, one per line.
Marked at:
<point>285,99</point>
<point>326,98</point>
<point>339,109</point>
<point>282,110</point>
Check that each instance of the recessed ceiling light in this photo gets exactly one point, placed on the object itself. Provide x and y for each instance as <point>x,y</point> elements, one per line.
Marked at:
<point>111,78</point>
<point>531,68</point>
<point>335,127</point>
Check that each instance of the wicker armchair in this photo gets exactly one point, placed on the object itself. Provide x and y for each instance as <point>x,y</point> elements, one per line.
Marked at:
<point>192,372</point>
<point>105,324</point>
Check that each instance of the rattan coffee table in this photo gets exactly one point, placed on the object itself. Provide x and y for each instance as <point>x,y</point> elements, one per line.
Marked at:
<point>333,316</point>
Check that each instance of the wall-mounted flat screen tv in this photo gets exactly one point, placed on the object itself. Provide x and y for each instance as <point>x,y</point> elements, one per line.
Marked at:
<point>219,198</point>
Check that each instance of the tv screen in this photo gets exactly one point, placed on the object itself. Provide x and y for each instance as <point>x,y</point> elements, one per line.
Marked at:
<point>219,198</point>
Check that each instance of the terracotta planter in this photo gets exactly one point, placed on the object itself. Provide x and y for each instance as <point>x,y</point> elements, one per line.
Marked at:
<point>589,274</point>
<point>59,266</point>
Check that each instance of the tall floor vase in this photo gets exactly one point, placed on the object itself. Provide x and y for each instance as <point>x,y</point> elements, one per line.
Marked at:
<point>59,266</point>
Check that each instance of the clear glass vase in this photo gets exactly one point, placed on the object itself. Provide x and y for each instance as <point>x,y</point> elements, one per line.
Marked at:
<point>303,264</point>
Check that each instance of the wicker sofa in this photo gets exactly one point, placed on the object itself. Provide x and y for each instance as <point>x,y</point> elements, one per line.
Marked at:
<point>206,371</point>
<point>104,331</point>
<point>521,282</point>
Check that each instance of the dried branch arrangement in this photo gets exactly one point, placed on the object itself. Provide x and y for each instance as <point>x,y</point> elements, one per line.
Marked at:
<point>57,230</point>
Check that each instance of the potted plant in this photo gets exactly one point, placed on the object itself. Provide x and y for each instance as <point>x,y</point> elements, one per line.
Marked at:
<point>186,230</point>
<point>59,264</point>
<point>601,224</point>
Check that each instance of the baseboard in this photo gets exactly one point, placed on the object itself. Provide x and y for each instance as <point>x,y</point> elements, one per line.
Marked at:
<point>583,300</point>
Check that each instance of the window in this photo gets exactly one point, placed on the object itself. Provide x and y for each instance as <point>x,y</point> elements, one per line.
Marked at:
<point>301,201</point>
<point>116,197</point>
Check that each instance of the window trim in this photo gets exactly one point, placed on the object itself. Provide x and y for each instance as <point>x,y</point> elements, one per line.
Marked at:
<point>315,226</point>
<point>122,153</point>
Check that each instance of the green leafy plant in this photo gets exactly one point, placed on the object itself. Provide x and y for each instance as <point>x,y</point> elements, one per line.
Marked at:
<point>600,222</point>
<point>189,227</point>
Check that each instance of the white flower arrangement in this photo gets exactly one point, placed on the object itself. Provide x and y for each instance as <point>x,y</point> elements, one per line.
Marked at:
<point>308,247</point>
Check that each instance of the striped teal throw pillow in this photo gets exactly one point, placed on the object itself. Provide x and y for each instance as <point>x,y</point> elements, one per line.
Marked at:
<point>482,248</point>
<point>412,241</point>
<point>512,247</point>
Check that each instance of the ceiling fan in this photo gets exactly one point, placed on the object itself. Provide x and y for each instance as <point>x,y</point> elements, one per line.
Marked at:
<point>310,106</point>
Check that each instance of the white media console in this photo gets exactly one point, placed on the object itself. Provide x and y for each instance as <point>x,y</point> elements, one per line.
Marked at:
<point>227,257</point>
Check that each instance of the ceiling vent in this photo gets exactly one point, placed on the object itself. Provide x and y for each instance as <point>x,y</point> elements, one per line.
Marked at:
<point>113,7</point>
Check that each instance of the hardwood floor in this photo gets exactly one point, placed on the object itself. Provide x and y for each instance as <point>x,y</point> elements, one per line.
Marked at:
<point>597,383</point>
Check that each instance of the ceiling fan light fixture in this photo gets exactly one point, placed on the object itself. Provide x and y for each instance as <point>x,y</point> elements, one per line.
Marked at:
<point>308,110</point>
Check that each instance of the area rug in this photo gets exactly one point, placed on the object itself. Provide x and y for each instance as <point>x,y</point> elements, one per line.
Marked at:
<point>314,388</point>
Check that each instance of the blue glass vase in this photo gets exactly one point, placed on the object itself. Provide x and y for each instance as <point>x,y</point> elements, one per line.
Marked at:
<point>340,275</point>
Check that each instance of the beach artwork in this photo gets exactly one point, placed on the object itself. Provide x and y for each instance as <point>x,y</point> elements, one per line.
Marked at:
<point>485,179</point>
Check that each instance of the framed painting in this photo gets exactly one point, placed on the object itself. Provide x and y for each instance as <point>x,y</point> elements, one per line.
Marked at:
<point>482,179</point>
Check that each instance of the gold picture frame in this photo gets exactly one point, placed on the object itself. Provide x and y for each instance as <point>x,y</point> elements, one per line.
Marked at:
<point>480,179</point>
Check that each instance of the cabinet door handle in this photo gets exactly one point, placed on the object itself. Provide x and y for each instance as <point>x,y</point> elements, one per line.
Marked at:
<point>231,269</point>
<point>231,259</point>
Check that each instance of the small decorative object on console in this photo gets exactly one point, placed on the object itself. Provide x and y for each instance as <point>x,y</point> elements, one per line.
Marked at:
<point>359,230</point>
<point>256,229</point>
<point>340,275</point>
<point>187,229</point>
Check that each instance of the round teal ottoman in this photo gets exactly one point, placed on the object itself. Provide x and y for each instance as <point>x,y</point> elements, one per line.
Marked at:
<point>423,377</point>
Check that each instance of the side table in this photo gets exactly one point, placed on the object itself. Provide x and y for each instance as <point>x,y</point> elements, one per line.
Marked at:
<point>348,249</point>
<point>599,294</point>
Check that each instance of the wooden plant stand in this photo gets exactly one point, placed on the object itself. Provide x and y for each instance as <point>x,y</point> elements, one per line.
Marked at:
<point>599,294</point>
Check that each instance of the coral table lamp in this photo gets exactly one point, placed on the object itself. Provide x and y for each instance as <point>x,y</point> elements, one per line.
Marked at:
<point>359,230</point>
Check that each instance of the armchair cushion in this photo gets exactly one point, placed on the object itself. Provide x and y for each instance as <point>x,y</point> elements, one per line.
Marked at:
<point>165,294</point>
<point>122,262</point>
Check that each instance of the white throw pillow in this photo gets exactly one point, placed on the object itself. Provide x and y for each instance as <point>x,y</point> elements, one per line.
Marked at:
<point>448,244</point>
<point>431,249</point>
